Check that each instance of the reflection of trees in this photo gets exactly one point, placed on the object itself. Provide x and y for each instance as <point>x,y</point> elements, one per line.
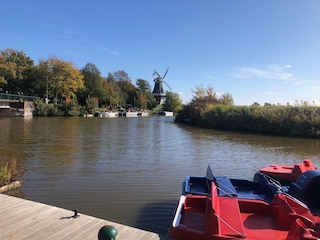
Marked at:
<point>45,145</point>
<point>268,149</point>
<point>13,132</point>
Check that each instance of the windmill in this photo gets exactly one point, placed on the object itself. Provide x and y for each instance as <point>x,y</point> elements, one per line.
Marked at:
<point>158,92</point>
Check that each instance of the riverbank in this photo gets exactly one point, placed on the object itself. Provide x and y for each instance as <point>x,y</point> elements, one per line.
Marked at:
<point>289,121</point>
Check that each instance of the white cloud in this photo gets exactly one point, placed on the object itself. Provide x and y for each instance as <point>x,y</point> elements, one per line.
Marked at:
<point>271,72</point>
<point>246,72</point>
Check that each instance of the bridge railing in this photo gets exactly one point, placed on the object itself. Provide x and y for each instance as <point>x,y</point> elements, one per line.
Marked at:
<point>16,97</point>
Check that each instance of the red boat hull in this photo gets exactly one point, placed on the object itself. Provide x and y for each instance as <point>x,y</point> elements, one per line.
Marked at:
<point>284,219</point>
<point>240,209</point>
<point>288,173</point>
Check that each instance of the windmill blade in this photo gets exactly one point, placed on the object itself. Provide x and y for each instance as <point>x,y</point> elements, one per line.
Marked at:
<point>167,85</point>
<point>165,73</point>
<point>155,72</point>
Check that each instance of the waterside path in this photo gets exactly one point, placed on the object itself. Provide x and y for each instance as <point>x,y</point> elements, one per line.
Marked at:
<point>23,219</point>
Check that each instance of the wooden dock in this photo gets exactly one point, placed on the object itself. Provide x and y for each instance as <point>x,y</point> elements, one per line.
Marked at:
<point>22,219</point>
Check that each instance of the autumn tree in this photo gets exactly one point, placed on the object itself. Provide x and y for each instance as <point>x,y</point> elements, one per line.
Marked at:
<point>62,77</point>
<point>205,95</point>
<point>142,101</point>
<point>203,100</point>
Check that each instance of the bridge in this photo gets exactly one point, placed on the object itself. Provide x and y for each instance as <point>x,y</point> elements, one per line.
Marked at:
<point>7,98</point>
<point>16,105</point>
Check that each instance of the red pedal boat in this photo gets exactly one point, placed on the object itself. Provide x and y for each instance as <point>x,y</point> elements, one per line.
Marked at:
<point>219,208</point>
<point>288,173</point>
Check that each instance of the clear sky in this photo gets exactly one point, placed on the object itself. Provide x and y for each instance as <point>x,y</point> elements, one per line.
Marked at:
<point>257,51</point>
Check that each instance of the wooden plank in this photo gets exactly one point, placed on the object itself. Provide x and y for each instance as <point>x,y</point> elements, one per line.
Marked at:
<point>22,219</point>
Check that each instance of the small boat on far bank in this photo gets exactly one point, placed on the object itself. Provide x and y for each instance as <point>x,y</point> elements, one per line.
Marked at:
<point>288,173</point>
<point>131,114</point>
<point>221,208</point>
<point>109,114</point>
<point>143,113</point>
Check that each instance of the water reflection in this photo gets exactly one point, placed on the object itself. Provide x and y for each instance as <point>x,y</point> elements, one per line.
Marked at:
<point>129,170</point>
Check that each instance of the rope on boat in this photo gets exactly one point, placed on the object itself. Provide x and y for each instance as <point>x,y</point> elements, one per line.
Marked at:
<point>227,193</point>
<point>229,226</point>
<point>274,181</point>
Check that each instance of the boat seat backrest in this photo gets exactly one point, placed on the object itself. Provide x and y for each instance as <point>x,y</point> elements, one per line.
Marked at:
<point>287,209</point>
<point>211,221</point>
<point>298,169</point>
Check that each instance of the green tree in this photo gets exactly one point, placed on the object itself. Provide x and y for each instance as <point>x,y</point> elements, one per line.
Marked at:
<point>113,91</point>
<point>128,92</point>
<point>145,96</point>
<point>15,69</point>
<point>93,83</point>
<point>143,85</point>
<point>121,76</point>
<point>173,102</point>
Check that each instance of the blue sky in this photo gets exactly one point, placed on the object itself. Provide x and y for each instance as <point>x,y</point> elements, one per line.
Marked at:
<point>257,51</point>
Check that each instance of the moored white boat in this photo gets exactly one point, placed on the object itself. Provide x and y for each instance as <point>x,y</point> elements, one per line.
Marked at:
<point>143,114</point>
<point>132,114</point>
<point>109,114</point>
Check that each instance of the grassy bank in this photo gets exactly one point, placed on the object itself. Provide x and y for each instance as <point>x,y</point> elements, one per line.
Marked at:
<point>294,121</point>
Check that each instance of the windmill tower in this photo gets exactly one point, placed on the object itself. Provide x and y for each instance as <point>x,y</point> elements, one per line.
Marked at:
<point>158,92</point>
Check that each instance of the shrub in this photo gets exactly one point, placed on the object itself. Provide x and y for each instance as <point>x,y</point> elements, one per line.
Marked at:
<point>8,172</point>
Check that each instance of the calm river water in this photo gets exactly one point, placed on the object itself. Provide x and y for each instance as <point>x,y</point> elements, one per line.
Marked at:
<point>130,170</point>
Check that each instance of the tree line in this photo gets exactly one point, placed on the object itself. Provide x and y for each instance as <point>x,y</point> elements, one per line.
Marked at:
<point>70,91</point>
<point>65,89</point>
